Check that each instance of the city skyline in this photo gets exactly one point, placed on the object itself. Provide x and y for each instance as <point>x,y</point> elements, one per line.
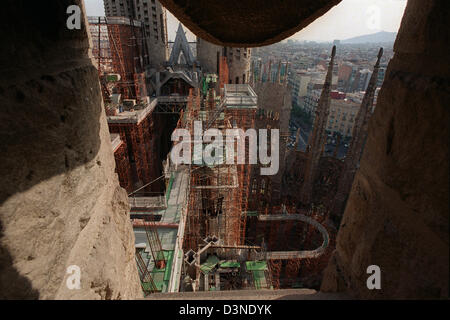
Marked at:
<point>351,18</point>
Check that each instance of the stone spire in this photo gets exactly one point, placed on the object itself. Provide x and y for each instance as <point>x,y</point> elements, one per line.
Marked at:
<point>285,81</point>
<point>359,136</point>
<point>297,139</point>
<point>181,46</point>
<point>252,73</point>
<point>279,72</point>
<point>260,71</point>
<point>318,135</point>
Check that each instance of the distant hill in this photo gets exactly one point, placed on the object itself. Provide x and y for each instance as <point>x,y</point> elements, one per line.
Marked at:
<point>378,37</point>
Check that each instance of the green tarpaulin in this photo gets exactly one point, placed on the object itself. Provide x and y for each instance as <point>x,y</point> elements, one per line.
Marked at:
<point>256,265</point>
<point>112,77</point>
<point>259,278</point>
<point>230,264</point>
<point>209,264</point>
<point>161,277</point>
<point>169,187</point>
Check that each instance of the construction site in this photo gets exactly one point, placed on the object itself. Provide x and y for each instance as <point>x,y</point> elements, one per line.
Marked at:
<point>218,226</point>
<point>115,186</point>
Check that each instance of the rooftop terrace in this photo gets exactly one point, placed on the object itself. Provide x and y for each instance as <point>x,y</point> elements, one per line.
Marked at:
<point>135,115</point>
<point>240,96</point>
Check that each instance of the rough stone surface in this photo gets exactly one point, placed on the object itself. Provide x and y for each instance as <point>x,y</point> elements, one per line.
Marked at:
<point>274,100</point>
<point>60,201</point>
<point>247,23</point>
<point>397,215</point>
<point>239,64</point>
<point>207,55</point>
<point>238,60</point>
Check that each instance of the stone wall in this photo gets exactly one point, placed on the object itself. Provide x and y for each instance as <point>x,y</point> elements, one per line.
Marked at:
<point>60,200</point>
<point>238,60</point>
<point>274,104</point>
<point>207,55</point>
<point>123,167</point>
<point>397,215</point>
<point>239,64</point>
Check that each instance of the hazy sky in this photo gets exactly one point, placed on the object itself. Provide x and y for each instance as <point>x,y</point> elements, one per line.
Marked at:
<point>348,19</point>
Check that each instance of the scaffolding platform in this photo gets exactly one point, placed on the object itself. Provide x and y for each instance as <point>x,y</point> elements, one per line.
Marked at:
<point>166,279</point>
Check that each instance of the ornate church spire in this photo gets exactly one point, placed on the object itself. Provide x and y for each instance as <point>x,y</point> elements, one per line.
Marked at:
<point>260,71</point>
<point>181,47</point>
<point>285,81</point>
<point>318,135</point>
<point>279,72</point>
<point>359,136</point>
<point>269,72</point>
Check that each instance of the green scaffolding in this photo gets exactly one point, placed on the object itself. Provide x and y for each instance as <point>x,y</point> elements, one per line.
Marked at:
<point>209,264</point>
<point>257,269</point>
<point>169,187</point>
<point>230,264</point>
<point>161,277</point>
<point>256,265</point>
<point>259,278</point>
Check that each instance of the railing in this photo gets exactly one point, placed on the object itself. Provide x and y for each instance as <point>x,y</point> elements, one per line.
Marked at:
<point>113,20</point>
<point>147,284</point>
<point>240,95</point>
<point>148,202</point>
<point>172,99</point>
<point>285,255</point>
